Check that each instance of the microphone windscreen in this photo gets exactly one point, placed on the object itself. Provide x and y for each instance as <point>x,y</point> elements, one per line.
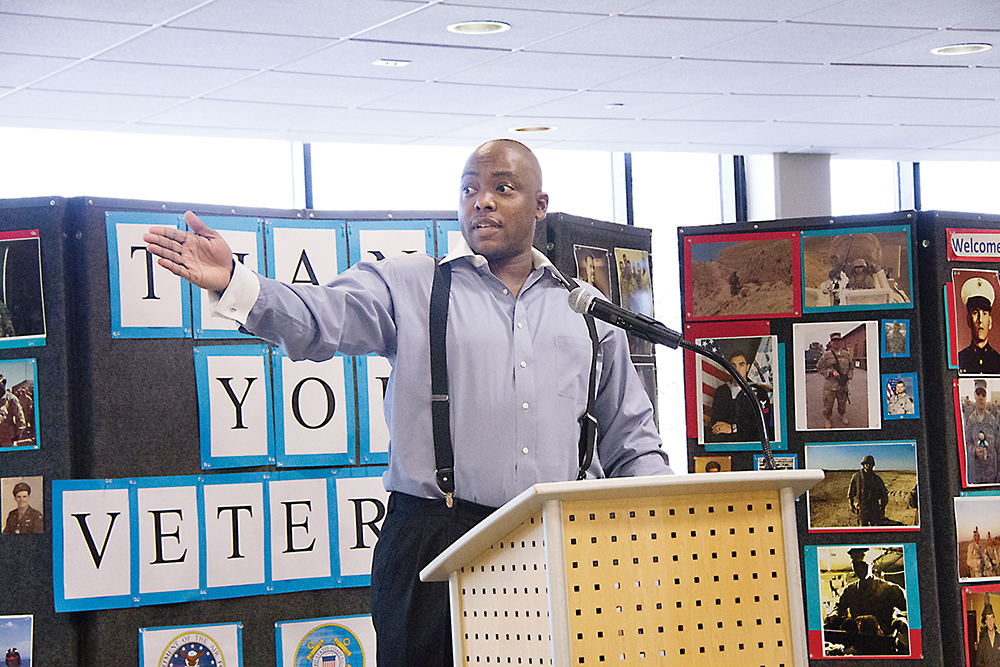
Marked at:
<point>580,300</point>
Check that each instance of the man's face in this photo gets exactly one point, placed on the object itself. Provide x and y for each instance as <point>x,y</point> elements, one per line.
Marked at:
<point>980,399</point>
<point>21,497</point>
<point>501,199</point>
<point>990,623</point>
<point>868,466</point>
<point>860,568</point>
<point>900,388</point>
<point>980,322</point>
<point>740,363</point>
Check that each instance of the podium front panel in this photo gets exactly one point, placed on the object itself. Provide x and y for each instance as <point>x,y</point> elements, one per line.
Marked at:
<point>678,580</point>
<point>504,607</point>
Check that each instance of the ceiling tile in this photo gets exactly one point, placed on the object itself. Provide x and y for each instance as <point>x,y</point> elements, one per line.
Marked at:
<point>803,134</point>
<point>688,75</point>
<point>355,58</point>
<point>853,80</point>
<point>81,106</point>
<point>543,70</point>
<point>951,82</point>
<point>465,98</point>
<point>751,107</point>
<point>897,110</point>
<point>773,10</point>
<point>595,104</point>
<point>140,79</point>
<point>45,36</point>
<point>114,11</point>
<point>313,89</point>
<point>201,48</point>
<point>526,27</point>
<point>989,141</point>
<point>376,121</point>
<point>600,7</point>
<point>913,13</point>
<point>311,18</point>
<point>74,125</point>
<point>16,70</point>
<point>659,37</point>
<point>225,113</point>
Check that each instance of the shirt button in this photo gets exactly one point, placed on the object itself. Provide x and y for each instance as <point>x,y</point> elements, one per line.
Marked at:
<point>505,291</point>
<point>525,450</point>
<point>232,309</point>
<point>524,405</point>
<point>520,325</point>
<point>523,364</point>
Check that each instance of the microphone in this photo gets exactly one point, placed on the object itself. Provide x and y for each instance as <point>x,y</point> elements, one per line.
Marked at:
<point>587,303</point>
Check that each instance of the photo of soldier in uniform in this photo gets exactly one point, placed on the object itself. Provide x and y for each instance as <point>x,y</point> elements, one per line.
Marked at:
<point>977,401</point>
<point>742,276</point>
<point>977,525</point>
<point>899,393</point>
<point>857,268</point>
<point>22,503</point>
<point>972,322</point>
<point>18,419</point>
<point>593,266</point>
<point>727,415</point>
<point>895,338</point>
<point>863,591</point>
<point>635,291</point>
<point>867,486</point>
<point>837,376</point>
<point>982,640</point>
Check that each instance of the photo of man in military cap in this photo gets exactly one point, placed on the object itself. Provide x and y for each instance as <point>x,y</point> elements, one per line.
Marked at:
<point>23,519</point>
<point>979,432</point>
<point>978,295</point>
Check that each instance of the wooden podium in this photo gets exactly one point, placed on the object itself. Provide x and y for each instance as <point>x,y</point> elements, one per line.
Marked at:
<point>668,570</point>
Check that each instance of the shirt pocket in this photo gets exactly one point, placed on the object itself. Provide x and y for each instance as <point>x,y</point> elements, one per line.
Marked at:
<point>573,357</point>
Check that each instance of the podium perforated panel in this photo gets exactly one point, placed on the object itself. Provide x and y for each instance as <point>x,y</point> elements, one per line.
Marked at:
<point>678,580</point>
<point>504,601</point>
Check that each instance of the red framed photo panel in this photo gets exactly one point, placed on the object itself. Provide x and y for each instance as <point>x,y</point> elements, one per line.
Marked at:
<point>742,276</point>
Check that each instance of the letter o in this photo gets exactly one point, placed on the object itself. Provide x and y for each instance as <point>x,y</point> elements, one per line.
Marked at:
<point>331,403</point>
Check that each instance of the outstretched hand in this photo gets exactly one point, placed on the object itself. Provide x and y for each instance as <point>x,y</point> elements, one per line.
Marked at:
<point>200,256</point>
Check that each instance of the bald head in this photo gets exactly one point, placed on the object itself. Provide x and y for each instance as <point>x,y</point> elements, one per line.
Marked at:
<point>530,161</point>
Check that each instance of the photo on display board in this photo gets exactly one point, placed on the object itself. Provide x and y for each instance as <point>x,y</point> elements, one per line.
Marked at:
<point>866,486</point>
<point>853,269</point>
<point>725,415</point>
<point>977,524</point>
<point>593,266</point>
<point>863,600</point>
<point>21,504</point>
<point>977,403</point>
<point>18,398</point>
<point>741,276</point>
<point>16,639</point>
<point>635,291</point>
<point>713,464</point>
<point>781,461</point>
<point>837,380</point>
<point>22,307</point>
<point>895,338</point>
<point>982,638</point>
<point>899,396</point>
<point>971,331</point>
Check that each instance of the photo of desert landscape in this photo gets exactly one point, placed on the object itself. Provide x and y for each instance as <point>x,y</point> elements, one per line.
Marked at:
<point>830,501</point>
<point>743,277</point>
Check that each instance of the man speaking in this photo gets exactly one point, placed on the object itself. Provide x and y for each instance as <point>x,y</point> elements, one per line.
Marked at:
<point>518,370</point>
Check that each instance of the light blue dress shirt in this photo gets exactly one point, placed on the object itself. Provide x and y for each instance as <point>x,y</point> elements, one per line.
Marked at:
<point>518,369</point>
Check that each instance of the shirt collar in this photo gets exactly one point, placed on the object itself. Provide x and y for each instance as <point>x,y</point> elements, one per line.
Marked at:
<point>538,260</point>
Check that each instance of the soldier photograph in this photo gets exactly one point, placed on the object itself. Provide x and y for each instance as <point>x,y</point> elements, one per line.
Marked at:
<point>593,266</point>
<point>895,341</point>
<point>869,269</point>
<point>837,376</point>
<point>975,292</point>
<point>977,520</point>
<point>23,519</point>
<point>727,414</point>
<point>982,639</point>
<point>867,612</point>
<point>900,392</point>
<point>979,432</point>
<point>867,486</point>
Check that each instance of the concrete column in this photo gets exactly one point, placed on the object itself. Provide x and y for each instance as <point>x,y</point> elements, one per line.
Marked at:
<point>801,185</point>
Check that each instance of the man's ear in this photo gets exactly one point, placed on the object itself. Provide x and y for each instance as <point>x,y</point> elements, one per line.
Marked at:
<point>541,206</point>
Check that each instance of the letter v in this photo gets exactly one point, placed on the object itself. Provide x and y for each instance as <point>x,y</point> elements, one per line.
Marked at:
<point>85,529</point>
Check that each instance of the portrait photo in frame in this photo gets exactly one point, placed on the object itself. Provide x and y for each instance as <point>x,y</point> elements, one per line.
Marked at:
<point>972,338</point>
<point>977,400</point>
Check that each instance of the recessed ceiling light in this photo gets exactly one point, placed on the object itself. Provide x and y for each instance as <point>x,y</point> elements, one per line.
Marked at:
<point>384,62</point>
<point>533,128</point>
<point>960,49</point>
<point>478,27</point>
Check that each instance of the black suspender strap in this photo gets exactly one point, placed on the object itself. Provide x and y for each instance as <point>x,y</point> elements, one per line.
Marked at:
<point>588,421</point>
<point>444,456</point>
